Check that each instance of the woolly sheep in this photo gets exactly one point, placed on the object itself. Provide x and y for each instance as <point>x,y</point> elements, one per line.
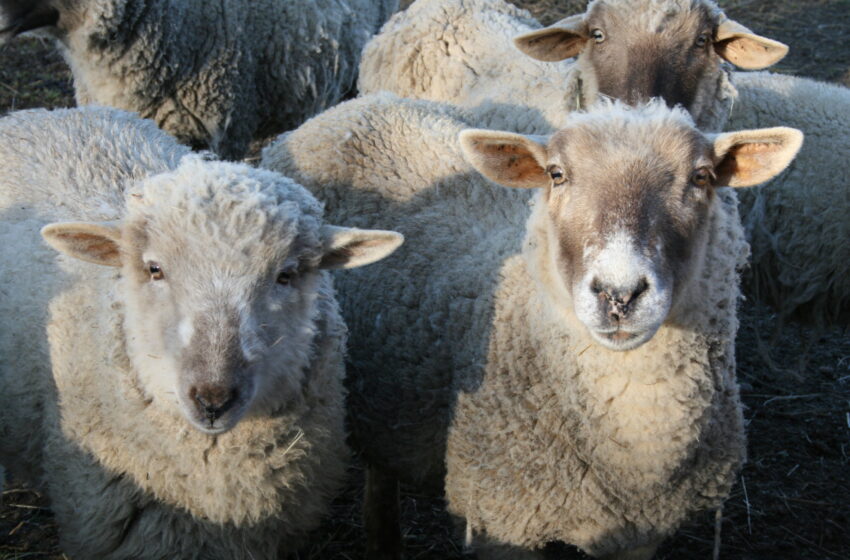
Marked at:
<point>213,74</point>
<point>497,362</point>
<point>797,225</point>
<point>187,400</point>
<point>800,270</point>
<point>456,51</point>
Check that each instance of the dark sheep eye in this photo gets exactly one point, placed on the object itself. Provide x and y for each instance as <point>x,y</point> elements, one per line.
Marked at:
<point>557,174</point>
<point>285,277</point>
<point>155,271</point>
<point>597,35</point>
<point>702,40</point>
<point>701,177</point>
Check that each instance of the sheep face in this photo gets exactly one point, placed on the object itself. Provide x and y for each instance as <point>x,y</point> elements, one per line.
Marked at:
<point>627,196</point>
<point>634,50</point>
<point>222,277</point>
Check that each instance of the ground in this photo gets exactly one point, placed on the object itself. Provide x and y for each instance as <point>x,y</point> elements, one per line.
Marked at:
<point>793,496</point>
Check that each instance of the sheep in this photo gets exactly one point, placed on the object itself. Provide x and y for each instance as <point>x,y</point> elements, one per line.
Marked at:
<point>797,225</point>
<point>521,371</point>
<point>800,271</point>
<point>456,51</point>
<point>214,75</point>
<point>186,399</point>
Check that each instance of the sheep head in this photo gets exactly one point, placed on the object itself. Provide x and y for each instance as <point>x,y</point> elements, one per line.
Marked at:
<point>626,199</point>
<point>634,50</point>
<point>222,281</point>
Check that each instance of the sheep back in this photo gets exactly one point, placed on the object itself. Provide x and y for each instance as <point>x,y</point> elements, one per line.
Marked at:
<point>797,224</point>
<point>218,75</point>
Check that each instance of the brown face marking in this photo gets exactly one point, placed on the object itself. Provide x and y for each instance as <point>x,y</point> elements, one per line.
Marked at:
<point>645,56</point>
<point>625,181</point>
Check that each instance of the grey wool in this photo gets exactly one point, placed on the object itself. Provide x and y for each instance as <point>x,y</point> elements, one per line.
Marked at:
<point>214,74</point>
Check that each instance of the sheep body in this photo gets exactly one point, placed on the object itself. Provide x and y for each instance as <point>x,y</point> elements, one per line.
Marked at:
<point>456,52</point>
<point>797,224</point>
<point>463,367</point>
<point>126,475</point>
<point>215,75</point>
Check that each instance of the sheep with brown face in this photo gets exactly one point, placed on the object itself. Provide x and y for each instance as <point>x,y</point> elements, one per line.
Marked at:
<point>173,378</point>
<point>567,372</point>
<point>462,52</point>
<point>796,226</point>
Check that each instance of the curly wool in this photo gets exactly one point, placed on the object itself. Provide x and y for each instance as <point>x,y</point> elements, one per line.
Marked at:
<point>128,477</point>
<point>797,224</point>
<point>461,365</point>
<point>213,74</point>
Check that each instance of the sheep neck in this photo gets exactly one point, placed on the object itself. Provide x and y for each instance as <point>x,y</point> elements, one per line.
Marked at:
<point>105,411</point>
<point>648,407</point>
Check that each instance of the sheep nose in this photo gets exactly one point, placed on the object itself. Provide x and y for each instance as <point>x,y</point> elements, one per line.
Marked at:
<point>213,400</point>
<point>618,300</point>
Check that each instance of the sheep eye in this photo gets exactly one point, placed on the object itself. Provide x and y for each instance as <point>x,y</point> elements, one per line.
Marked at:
<point>285,277</point>
<point>155,271</point>
<point>701,177</point>
<point>557,174</point>
<point>702,40</point>
<point>597,35</point>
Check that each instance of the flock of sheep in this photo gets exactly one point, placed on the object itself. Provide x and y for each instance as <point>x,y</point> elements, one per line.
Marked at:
<point>548,337</point>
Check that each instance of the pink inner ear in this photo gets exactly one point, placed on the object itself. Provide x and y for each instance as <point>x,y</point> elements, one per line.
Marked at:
<point>515,163</point>
<point>96,246</point>
<point>553,46</point>
<point>745,163</point>
<point>748,53</point>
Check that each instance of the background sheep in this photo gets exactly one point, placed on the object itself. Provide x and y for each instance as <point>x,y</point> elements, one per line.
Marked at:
<point>496,362</point>
<point>798,225</point>
<point>187,400</point>
<point>214,75</point>
<point>455,51</point>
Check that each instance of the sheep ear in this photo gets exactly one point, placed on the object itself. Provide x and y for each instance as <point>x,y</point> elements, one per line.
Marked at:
<point>750,157</point>
<point>559,41</point>
<point>743,48</point>
<point>98,243</point>
<point>350,247</point>
<point>509,159</point>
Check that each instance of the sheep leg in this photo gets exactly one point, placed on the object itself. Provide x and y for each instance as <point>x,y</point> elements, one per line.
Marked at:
<point>381,515</point>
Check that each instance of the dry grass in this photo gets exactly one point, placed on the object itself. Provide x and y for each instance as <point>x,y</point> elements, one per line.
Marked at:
<point>793,500</point>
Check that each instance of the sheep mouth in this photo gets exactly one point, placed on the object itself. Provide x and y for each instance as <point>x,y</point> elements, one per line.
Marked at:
<point>621,340</point>
<point>220,423</point>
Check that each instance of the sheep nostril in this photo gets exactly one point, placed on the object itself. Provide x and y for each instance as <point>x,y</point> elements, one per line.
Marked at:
<point>213,402</point>
<point>596,286</point>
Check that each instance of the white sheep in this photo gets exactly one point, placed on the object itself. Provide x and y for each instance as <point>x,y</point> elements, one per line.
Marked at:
<point>632,50</point>
<point>186,399</point>
<point>575,386</point>
<point>797,225</point>
<point>214,74</point>
<point>463,52</point>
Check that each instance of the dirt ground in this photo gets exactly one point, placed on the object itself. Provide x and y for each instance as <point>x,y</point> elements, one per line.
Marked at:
<point>793,496</point>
